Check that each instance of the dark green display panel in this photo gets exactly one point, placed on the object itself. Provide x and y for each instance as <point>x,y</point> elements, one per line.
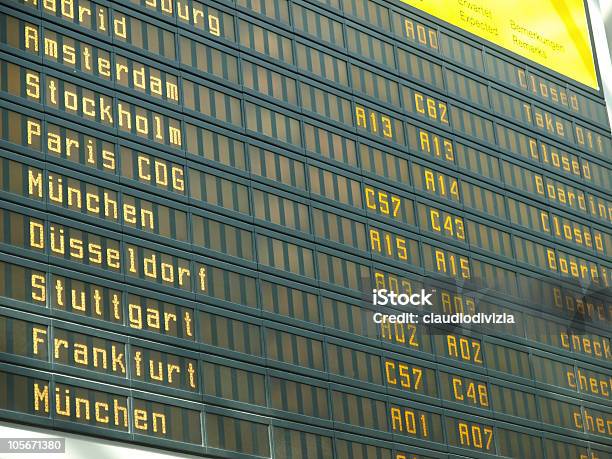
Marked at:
<point>196,199</point>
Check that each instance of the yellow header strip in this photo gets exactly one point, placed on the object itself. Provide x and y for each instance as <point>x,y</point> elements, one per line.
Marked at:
<point>553,33</point>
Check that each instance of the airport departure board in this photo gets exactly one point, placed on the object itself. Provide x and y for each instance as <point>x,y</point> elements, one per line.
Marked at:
<point>198,197</point>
